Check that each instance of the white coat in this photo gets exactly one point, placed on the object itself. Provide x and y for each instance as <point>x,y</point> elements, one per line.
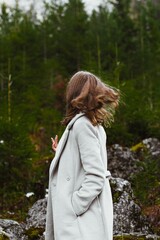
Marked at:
<point>79,199</point>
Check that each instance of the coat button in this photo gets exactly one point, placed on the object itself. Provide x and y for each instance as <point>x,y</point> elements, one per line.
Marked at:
<point>68,178</point>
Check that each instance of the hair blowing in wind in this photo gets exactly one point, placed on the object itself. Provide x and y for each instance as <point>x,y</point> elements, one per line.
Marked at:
<point>87,93</point>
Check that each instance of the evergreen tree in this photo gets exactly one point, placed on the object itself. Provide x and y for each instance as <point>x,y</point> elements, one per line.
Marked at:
<point>72,37</point>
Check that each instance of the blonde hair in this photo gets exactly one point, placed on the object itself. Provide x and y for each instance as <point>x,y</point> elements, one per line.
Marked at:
<point>87,93</point>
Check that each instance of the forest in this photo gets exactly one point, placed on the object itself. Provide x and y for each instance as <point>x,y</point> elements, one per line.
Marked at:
<point>38,56</point>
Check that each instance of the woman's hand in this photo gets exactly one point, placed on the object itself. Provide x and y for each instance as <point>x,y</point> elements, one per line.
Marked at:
<point>54,143</point>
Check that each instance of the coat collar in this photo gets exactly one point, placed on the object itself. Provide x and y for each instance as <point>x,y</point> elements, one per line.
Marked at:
<point>62,143</point>
<point>70,124</point>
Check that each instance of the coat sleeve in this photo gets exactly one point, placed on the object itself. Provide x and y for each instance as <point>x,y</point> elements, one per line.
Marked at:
<point>89,148</point>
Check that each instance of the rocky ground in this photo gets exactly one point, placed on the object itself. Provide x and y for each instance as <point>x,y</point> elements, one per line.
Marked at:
<point>129,222</point>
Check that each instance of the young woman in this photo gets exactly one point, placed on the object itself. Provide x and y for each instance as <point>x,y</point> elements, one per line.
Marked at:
<point>79,199</point>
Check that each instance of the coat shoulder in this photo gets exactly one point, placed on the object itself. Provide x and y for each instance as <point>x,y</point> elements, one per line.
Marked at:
<point>82,122</point>
<point>84,125</point>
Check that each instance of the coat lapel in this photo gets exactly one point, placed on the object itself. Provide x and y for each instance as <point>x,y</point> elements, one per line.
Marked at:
<point>62,143</point>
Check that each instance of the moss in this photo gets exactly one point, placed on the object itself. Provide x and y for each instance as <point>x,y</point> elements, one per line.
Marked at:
<point>137,147</point>
<point>34,233</point>
<point>129,237</point>
<point>132,237</point>
<point>3,237</point>
<point>116,196</point>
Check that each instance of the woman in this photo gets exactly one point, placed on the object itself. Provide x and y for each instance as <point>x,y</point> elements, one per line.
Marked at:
<point>79,199</point>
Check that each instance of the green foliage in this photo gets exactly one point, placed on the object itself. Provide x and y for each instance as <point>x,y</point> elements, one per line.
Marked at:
<point>3,237</point>
<point>34,233</point>
<point>128,237</point>
<point>132,237</point>
<point>17,155</point>
<point>146,183</point>
<point>121,46</point>
<point>116,195</point>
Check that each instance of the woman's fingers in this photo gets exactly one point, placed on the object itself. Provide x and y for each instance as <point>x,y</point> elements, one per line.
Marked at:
<point>56,139</point>
<point>54,142</point>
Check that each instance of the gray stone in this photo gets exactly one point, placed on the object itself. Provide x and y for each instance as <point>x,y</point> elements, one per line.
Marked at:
<point>153,146</point>
<point>12,229</point>
<point>42,237</point>
<point>37,214</point>
<point>122,162</point>
<point>127,214</point>
<point>36,217</point>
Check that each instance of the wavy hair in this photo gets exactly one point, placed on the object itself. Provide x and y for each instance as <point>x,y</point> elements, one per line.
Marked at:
<point>87,93</point>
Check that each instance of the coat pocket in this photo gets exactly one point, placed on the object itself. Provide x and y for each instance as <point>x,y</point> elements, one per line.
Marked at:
<point>70,216</point>
<point>99,205</point>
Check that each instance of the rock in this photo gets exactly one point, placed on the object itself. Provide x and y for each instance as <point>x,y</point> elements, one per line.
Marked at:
<point>32,229</point>
<point>153,146</point>
<point>35,222</point>
<point>122,162</point>
<point>127,214</point>
<point>37,215</point>
<point>149,146</point>
<point>11,230</point>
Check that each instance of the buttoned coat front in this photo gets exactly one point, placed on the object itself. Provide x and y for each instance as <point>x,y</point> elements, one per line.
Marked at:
<point>79,199</point>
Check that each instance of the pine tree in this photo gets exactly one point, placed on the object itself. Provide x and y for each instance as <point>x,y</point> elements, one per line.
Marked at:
<point>72,36</point>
